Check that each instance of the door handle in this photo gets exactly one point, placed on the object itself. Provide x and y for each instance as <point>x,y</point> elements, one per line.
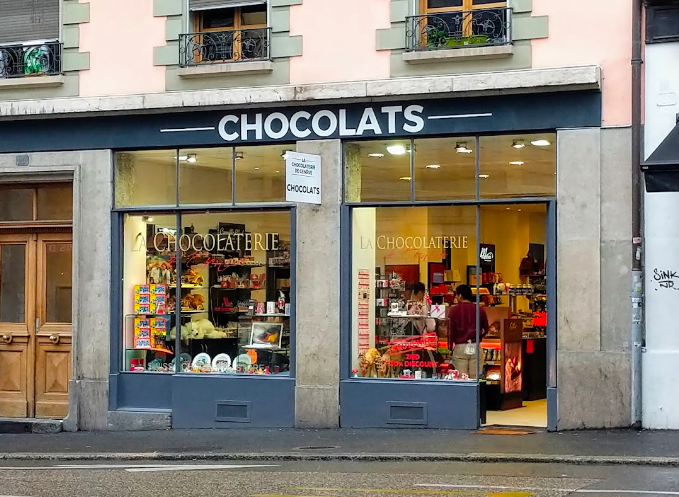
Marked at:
<point>54,338</point>
<point>6,338</point>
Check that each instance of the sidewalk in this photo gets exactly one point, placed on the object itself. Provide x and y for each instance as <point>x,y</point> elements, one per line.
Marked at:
<point>584,447</point>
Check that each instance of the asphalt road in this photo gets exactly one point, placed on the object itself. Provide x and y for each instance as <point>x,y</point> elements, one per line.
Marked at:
<point>328,479</point>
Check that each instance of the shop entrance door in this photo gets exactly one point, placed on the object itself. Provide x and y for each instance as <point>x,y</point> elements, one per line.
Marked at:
<point>35,323</point>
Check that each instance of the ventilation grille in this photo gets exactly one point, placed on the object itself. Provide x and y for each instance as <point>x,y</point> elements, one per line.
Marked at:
<point>408,413</point>
<point>232,411</point>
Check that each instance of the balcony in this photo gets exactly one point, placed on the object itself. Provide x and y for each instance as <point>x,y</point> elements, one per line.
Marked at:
<point>228,46</point>
<point>26,61</point>
<point>458,29</point>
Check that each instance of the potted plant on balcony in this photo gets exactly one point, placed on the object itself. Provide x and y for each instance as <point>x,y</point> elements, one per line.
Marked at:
<point>436,37</point>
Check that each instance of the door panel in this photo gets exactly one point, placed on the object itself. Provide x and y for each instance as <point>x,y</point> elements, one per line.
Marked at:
<point>53,336</point>
<point>17,308</point>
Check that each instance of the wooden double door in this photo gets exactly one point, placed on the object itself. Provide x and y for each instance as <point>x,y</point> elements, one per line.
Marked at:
<point>36,274</point>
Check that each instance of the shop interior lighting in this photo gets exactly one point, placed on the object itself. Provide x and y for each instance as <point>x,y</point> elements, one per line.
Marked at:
<point>239,156</point>
<point>484,176</point>
<point>396,149</point>
<point>256,169</point>
<point>518,144</point>
<point>147,219</point>
<point>376,155</point>
<point>433,166</point>
<point>182,157</point>
<point>461,148</point>
<point>516,163</point>
<point>405,178</point>
<point>191,158</point>
<point>277,172</point>
<point>541,143</point>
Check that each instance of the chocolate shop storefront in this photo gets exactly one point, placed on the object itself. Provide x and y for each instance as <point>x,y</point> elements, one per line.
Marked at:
<point>201,298</point>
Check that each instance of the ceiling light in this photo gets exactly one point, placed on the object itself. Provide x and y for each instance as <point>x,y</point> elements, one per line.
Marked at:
<point>484,176</point>
<point>404,178</point>
<point>461,148</point>
<point>541,143</point>
<point>376,155</point>
<point>518,144</point>
<point>277,172</point>
<point>191,158</point>
<point>239,156</point>
<point>256,169</point>
<point>508,208</point>
<point>147,219</point>
<point>516,163</point>
<point>519,210</point>
<point>433,166</point>
<point>182,157</point>
<point>396,149</point>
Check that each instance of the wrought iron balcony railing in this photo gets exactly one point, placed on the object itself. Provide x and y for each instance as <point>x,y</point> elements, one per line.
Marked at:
<point>459,29</point>
<point>20,61</point>
<point>214,47</point>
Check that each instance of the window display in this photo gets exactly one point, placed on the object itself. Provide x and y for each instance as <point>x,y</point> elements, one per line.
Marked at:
<point>233,295</point>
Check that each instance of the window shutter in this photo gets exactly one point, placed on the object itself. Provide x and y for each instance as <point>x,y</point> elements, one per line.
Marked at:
<point>218,4</point>
<point>28,20</point>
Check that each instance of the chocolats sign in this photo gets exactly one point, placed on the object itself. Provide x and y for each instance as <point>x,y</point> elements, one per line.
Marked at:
<point>405,118</point>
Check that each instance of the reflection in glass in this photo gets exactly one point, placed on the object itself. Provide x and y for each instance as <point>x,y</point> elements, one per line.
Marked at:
<point>59,277</point>
<point>55,202</point>
<point>205,175</point>
<point>16,204</point>
<point>146,178</point>
<point>518,166</point>
<point>260,173</point>
<point>12,283</point>
<point>377,171</point>
<point>445,168</point>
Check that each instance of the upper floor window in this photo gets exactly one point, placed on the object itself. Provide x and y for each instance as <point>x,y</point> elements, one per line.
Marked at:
<point>29,30</point>
<point>459,23</point>
<point>226,31</point>
<point>662,22</point>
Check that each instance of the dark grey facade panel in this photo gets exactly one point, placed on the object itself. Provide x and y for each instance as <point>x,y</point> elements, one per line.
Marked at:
<point>662,181</point>
<point>28,20</point>
<point>236,401</point>
<point>408,404</point>
<point>143,390</point>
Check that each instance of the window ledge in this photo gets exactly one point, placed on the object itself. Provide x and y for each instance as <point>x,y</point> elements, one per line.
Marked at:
<point>446,55</point>
<point>31,82</point>
<point>207,70</point>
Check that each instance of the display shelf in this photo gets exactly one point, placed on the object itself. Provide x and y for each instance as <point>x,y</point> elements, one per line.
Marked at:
<point>271,315</point>
<point>193,311</point>
<point>157,349</point>
<point>188,287</point>
<point>262,347</point>
<point>220,287</point>
<point>138,315</point>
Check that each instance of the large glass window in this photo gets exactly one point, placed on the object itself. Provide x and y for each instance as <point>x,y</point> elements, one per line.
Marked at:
<point>206,290</point>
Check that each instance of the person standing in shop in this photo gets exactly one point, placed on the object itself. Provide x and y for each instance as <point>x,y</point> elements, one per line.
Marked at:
<point>462,330</point>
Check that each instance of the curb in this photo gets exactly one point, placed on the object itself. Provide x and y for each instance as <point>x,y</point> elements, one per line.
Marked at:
<point>296,457</point>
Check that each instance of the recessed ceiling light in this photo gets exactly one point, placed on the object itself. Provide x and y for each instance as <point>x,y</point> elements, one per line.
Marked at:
<point>484,176</point>
<point>519,210</point>
<point>509,208</point>
<point>277,172</point>
<point>404,178</point>
<point>461,148</point>
<point>256,169</point>
<point>182,157</point>
<point>518,144</point>
<point>516,163</point>
<point>396,149</point>
<point>433,166</point>
<point>541,143</point>
<point>239,156</point>
<point>377,155</point>
<point>191,158</point>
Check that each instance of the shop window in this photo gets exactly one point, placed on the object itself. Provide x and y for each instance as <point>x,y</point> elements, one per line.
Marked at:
<point>407,263</point>
<point>146,178</point>
<point>205,175</point>
<point>233,290</point>
<point>517,166</point>
<point>445,168</point>
<point>378,171</point>
<point>260,173</point>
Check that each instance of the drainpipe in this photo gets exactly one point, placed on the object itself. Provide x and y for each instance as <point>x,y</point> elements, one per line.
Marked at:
<point>636,293</point>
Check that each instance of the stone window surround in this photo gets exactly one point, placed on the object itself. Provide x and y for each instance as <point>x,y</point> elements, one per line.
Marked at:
<point>73,14</point>
<point>176,12</point>
<point>524,27</point>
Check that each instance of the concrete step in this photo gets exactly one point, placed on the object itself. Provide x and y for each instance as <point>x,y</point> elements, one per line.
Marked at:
<point>30,425</point>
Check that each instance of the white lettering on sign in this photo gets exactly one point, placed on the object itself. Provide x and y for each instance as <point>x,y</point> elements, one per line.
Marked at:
<point>303,176</point>
<point>322,123</point>
<point>486,255</point>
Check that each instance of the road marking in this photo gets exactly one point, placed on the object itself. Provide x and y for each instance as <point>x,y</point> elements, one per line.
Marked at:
<point>138,468</point>
<point>575,491</point>
<point>198,467</point>
<point>415,492</point>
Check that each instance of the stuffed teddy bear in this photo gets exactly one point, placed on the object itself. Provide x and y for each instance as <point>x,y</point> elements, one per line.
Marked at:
<point>201,328</point>
<point>185,330</point>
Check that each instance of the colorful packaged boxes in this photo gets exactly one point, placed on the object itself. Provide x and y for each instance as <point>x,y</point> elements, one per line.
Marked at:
<point>149,332</point>
<point>150,299</point>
